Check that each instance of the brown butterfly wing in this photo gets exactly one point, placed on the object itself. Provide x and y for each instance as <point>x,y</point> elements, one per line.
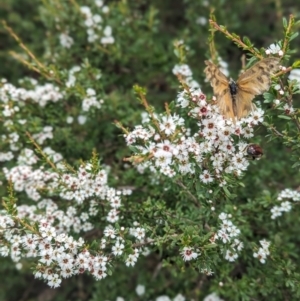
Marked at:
<point>244,104</point>
<point>220,85</point>
<point>254,81</point>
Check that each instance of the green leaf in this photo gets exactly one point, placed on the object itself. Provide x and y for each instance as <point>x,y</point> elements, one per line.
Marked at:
<point>228,194</point>
<point>268,97</point>
<point>210,246</point>
<point>284,117</point>
<point>294,35</point>
<point>247,41</point>
<point>296,64</point>
<point>284,22</point>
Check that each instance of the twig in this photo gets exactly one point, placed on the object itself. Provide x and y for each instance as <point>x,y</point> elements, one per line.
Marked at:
<point>234,38</point>
<point>194,199</point>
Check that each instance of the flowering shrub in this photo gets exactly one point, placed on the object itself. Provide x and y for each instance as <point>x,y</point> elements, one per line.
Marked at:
<point>140,202</point>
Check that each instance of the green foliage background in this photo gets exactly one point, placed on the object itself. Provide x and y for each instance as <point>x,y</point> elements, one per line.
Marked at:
<point>144,54</point>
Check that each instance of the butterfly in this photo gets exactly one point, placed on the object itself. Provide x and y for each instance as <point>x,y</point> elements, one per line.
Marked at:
<point>235,98</point>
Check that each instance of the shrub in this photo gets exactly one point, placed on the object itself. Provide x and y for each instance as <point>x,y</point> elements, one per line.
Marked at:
<point>121,178</point>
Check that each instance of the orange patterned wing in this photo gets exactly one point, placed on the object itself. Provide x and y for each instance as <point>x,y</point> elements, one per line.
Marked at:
<point>254,81</point>
<point>220,84</point>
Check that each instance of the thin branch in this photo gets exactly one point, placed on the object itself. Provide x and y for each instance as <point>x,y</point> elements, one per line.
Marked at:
<point>41,152</point>
<point>194,199</point>
<point>234,38</point>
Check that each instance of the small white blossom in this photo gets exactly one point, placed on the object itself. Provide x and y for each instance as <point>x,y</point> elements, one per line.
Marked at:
<point>189,254</point>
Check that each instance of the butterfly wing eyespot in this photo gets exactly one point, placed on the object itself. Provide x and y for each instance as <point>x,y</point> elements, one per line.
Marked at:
<point>254,81</point>
<point>220,85</point>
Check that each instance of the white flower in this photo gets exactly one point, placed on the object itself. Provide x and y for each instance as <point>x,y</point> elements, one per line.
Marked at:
<point>99,3</point>
<point>85,10</point>
<point>112,216</point>
<point>107,40</point>
<point>117,249</point>
<point>140,290</point>
<point>223,216</point>
<point>274,49</point>
<point>183,70</point>
<point>81,119</point>
<point>54,281</point>
<point>276,211</point>
<point>139,233</point>
<point>295,75</point>
<point>206,177</point>
<point>223,236</point>
<point>168,125</point>
<point>237,244</point>
<point>286,206</point>
<point>65,40</point>
<point>201,21</point>
<point>265,244</point>
<point>261,255</point>
<point>179,297</point>
<point>212,297</point>
<point>231,256</point>
<point>131,260</point>
<point>107,31</point>
<point>188,254</point>
<point>163,298</point>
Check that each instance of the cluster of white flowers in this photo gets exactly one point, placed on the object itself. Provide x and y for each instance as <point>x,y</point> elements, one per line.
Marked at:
<point>72,76</point>
<point>228,235</point>
<point>91,100</point>
<point>26,179</point>
<point>96,30</point>
<point>285,205</point>
<point>185,71</point>
<point>6,156</point>
<point>14,100</point>
<point>132,258</point>
<point>280,102</point>
<point>65,40</point>
<point>274,49</point>
<point>217,148</point>
<point>14,97</point>
<point>74,72</point>
<point>54,156</point>
<point>58,255</point>
<point>262,252</point>
<point>27,157</point>
<point>46,133</point>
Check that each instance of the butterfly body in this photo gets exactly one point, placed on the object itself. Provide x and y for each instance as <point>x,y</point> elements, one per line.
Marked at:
<point>233,91</point>
<point>235,98</point>
<point>233,87</point>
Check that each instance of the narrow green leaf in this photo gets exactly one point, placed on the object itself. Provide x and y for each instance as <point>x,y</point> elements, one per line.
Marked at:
<point>294,35</point>
<point>284,117</point>
<point>284,22</point>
